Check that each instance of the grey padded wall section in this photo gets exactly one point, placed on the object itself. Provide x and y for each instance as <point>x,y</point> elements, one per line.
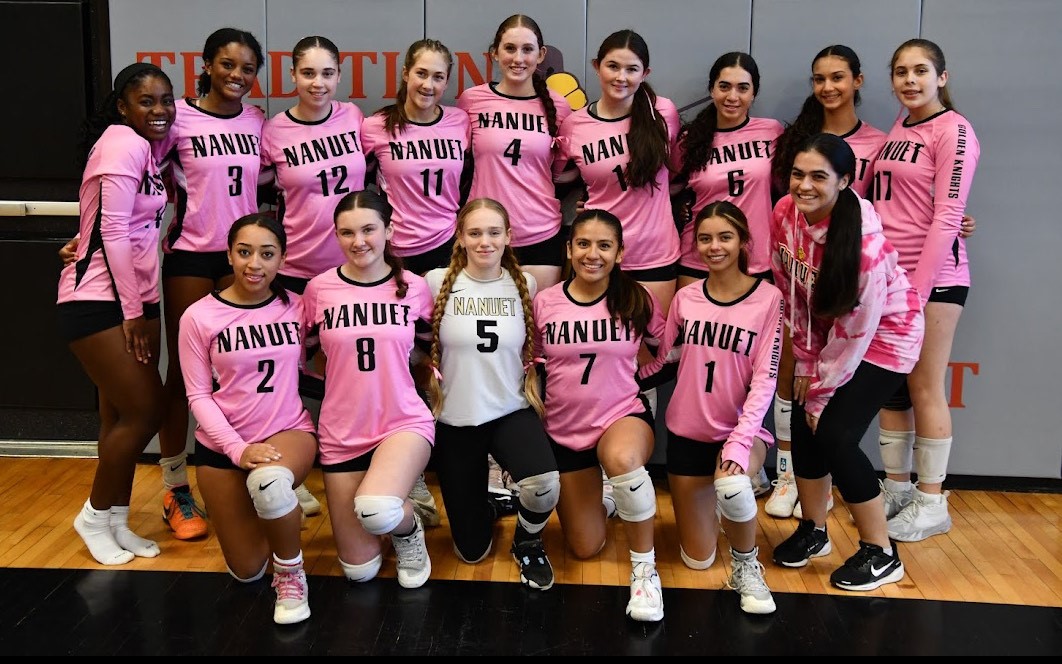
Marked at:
<point>1003,60</point>
<point>786,35</point>
<point>1004,63</point>
<point>470,33</point>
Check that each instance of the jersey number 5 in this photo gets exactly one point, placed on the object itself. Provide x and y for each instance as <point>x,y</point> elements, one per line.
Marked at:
<point>490,339</point>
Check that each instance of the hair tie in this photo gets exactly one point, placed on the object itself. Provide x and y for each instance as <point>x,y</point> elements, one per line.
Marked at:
<point>435,372</point>
<point>534,360</point>
<point>652,111</point>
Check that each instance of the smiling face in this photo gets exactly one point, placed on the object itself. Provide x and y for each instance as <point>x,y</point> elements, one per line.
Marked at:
<point>732,94</point>
<point>316,75</point>
<point>425,83</point>
<point>621,73</point>
<point>719,243</point>
<point>814,185</point>
<point>363,239</point>
<point>232,71</point>
<point>148,107</point>
<point>518,55</point>
<point>255,257</point>
<point>832,83</point>
<point>916,81</point>
<point>484,236</point>
<point>594,250</point>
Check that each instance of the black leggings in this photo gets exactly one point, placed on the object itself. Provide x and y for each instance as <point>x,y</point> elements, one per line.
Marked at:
<point>518,443</point>
<point>834,448</point>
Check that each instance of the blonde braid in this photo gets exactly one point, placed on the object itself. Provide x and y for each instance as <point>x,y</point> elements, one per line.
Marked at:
<point>458,261</point>
<point>531,390</point>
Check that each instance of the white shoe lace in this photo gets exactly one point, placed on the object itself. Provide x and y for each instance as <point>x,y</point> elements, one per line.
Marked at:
<point>748,578</point>
<point>410,552</point>
<point>642,587</point>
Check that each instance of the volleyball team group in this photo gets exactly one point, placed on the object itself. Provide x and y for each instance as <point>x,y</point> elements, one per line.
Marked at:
<point>417,264</point>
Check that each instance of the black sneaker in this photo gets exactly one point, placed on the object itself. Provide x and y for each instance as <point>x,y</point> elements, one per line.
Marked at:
<point>535,570</point>
<point>868,569</point>
<point>502,504</point>
<point>803,545</point>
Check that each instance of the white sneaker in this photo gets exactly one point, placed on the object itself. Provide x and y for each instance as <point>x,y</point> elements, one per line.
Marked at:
<point>799,513</point>
<point>293,594</point>
<point>784,497</point>
<point>927,515</point>
<point>496,479</point>
<point>896,496</point>
<point>414,565</point>
<point>647,600</point>
<point>747,579</point>
<point>424,503</point>
<point>761,484</point>
<point>307,501</point>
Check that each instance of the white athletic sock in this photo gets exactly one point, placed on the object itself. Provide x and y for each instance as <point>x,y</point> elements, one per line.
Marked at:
<point>174,470</point>
<point>784,463</point>
<point>297,560</point>
<point>126,538</point>
<point>94,526</point>
<point>647,557</point>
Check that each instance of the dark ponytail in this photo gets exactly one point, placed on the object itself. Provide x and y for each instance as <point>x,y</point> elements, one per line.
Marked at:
<point>837,284</point>
<point>697,136</point>
<point>810,120</point>
<point>647,139</point>
<point>394,115</point>
<point>625,298</point>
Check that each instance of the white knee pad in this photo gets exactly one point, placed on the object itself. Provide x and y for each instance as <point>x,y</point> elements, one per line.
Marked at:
<point>931,459</point>
<point>693,563</point>
<point>897,449</point>
<point>634,495</point>
<point>539,493</point>
<point>254,578</point>
<point>783,414</point>
<point>363,572</point>
<point>272,490</point>
<point>379,515</point>
<point>736,500</point>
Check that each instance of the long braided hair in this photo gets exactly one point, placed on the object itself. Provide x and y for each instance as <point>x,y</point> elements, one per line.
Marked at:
<point>458,262</point>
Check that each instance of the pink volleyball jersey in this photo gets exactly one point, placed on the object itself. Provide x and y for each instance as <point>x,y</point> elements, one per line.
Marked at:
<point>591,361</point>
<point>514,155</point>
<point>316,164</point>
<point>241,371</point>
<point>727,366</point>
<point>885,328</point>
<point>420,172</point>
<point>866,142</point>
<point>921,182</point>
<point>599,149</point>
<point>739,171</point>
<point>366,331</point>
<point>215,160</point>
<point>122,200</point>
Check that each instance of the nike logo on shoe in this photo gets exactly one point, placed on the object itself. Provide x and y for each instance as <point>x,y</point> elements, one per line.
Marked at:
<point>539,495</point>
<point>263,487</point>
<point>729,496</point>
<point>635,488</point>
<point>876,571</point>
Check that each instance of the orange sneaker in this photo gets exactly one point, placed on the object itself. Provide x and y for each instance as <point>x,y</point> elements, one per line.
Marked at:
<point>182,515</point>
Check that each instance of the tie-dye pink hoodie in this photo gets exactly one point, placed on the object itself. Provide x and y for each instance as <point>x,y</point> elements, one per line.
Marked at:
<point>885,328</point>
